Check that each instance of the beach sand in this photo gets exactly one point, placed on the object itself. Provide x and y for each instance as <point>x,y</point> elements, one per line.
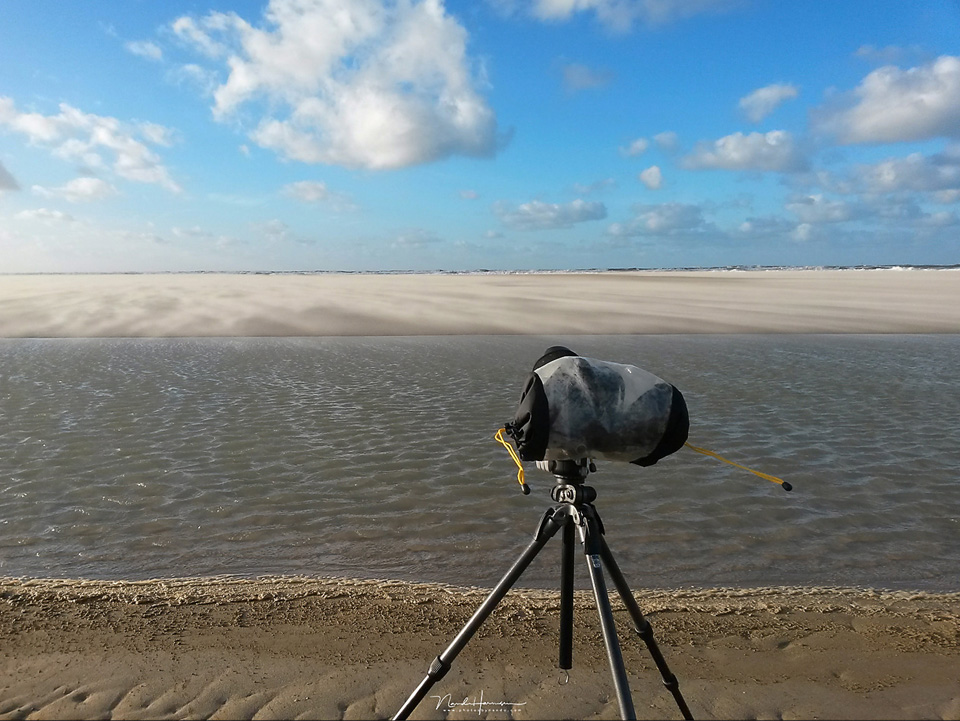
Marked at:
<point>329,648</point>
<point>164,305</point>
<point>326,648</point>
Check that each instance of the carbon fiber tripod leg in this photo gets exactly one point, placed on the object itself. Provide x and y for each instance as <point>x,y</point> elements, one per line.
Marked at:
<point>566,598</point>
<point>550,523</point>
<point>643,628</point>
<point>592,544</point>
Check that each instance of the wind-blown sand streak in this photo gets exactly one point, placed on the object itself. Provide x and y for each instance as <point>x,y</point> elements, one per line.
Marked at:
<point>806,301</point>
<point>338,648</point>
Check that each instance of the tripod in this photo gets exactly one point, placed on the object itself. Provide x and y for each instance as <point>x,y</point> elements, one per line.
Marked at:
<point>574,509</point>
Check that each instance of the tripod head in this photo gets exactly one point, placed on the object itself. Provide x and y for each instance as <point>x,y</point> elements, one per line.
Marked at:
<point>570,476</point>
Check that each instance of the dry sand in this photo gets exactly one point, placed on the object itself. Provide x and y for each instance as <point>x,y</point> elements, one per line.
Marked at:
<point>807,301</point>
<point>328,648</point>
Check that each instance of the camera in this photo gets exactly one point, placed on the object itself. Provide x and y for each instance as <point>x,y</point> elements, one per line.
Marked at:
<point>574,407</point>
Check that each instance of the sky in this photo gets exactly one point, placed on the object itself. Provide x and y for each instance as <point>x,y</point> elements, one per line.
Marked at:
<point>419,135</point>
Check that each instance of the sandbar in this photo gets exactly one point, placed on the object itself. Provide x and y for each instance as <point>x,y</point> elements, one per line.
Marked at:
<point>336,304</point>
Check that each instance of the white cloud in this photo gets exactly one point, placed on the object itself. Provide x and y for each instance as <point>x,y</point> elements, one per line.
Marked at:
<point>773,151</point>
<point>469,194</point>
<point>363,84</point>
<point>815,209</point>
<point>651,177</point>
<point>145,49</point>
<point>580,77</point>
<point>197,34</point>
<point>620,15</point>
<point>941,219</point>
<point>636,147</point>
<point>915,172</point>
<point>79,190</point>
<point>45,215</point>
<point>7,181</point>
<point>667,219</point>
<point>415,238</point>
<point>763,101</point>
<point>587,189</point>
<point>203,80</point>
<point>274,231</point>
<point>667,140</point>
<point>893,105</point>
<point>804,232</point>
<point>317,192</point>
<point>158,134</point>
<point>889,54</point>
<point>83,138</point>
<point>309,191</point>
<point>765,228</point>
<point>537,215</point>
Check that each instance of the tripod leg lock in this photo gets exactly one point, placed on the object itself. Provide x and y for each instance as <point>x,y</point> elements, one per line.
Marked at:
<point>438,669</point>
<point>671,683</point>
<point>645,632</point>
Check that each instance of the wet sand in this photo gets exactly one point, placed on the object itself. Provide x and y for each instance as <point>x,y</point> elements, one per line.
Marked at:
<point>164,305</point>
<point>336,648</point>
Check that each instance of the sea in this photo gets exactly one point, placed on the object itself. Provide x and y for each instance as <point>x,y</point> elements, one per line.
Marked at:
<point>375,457</point>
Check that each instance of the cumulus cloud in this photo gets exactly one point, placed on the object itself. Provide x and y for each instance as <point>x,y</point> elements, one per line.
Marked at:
<point>620,15</point>
<point>537,215</point>
<point>893,105</point>
<point>578,77</point>
<point>916,172</point>
<point>763,101</point>
<point>79,190</point>
<point>317,192</point>
<point>667,140</point>
<point>651,177</point>
<point>7,181</point>
<point>85,138</point>
<point>816,209</point>
<point>773,151</point>
<point>370,84</point>
<point>637,147</point>
<point>667,219</point>
<point>144,49</point>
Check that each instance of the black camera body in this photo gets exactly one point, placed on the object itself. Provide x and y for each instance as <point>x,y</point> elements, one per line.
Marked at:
<point>574,407</point>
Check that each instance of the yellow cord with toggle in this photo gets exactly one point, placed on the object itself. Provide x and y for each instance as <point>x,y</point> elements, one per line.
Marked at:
<point>765,476</point>
<point>516,459</point>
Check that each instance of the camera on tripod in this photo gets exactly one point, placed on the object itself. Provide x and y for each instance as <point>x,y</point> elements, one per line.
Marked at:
<point>573,407</point>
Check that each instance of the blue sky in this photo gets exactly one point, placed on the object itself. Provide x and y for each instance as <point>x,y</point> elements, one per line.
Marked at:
<point>491,134</point>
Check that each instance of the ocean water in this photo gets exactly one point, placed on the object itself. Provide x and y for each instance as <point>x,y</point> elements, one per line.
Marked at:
<point>375,458</point>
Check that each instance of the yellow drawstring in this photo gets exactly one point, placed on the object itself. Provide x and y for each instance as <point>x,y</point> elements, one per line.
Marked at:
<point>766,476</point>
<point>516,459</point>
